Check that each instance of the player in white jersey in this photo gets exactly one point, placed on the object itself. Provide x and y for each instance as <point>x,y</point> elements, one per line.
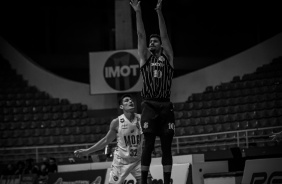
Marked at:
<point>127,155</point>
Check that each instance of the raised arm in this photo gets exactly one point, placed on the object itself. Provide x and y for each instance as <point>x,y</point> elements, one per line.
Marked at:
<point>141,34</point>
<point>111,135</point>
<point>163,33</point>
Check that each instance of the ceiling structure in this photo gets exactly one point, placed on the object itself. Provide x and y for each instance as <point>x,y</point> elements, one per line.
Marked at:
<point>204,31</point>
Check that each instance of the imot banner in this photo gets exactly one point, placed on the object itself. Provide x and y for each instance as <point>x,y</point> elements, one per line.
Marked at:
<point>114,72</point>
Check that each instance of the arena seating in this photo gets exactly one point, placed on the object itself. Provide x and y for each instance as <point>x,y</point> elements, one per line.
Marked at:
<point>33,121</point>
<point>240,113</point>
<point>246,108</point>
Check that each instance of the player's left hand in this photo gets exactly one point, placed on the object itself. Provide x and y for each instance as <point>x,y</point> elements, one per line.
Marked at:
<point>81,152</point>
<point>135,5</point>
<point>159,5</point>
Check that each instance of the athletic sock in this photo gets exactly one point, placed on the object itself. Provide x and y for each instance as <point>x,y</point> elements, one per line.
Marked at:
<point>144,176</point>
<point>167,176</point>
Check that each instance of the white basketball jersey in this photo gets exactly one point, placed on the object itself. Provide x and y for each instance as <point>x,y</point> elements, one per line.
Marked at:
<point>129,140</point>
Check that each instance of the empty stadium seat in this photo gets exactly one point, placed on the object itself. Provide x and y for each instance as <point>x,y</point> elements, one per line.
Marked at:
<point>199,129</point>
<point>47,132</point>
<point>208,128</point>
<point>244,125</point>
<point>253,123</point>
<point>179,131</point>
<point>235,126</point>
<point>178,106</point>
<point>218,127</point>
<point>226,127</point>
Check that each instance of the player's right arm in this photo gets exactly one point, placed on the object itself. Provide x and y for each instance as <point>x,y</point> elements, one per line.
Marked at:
<point>163,33</point>
<point>141,34</point>
<point>110,136</point>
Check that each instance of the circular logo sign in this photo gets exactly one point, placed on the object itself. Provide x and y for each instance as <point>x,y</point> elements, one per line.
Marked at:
<point>121,71</point>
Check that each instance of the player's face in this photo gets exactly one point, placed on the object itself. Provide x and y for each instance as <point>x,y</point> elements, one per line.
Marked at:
<point>127,104</point>
<point>154,44</point>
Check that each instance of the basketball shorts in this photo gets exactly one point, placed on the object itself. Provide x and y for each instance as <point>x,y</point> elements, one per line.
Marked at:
<point>119,171</point>
<point>157,117</point>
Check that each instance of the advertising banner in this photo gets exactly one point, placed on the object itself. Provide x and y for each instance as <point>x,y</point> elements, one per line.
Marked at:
<point>263,171</point>
<point>78,177</point>
<point>179,174</point>
<point>114,72</point>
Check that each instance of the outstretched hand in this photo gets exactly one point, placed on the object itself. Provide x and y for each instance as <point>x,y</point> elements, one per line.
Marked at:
<point>135,5</point>
<point>159,5</point>
<point>81,152</point>
<point>276,136</point>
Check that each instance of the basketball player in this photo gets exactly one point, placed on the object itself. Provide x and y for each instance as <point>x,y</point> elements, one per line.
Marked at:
<point>156,65</point>
<point>127,155</point>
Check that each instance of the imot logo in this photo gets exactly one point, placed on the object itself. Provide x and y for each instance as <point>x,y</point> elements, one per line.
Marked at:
<point>121,71</point>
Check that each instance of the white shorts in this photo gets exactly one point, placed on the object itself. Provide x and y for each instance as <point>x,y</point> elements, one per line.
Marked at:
<point>120,171</point>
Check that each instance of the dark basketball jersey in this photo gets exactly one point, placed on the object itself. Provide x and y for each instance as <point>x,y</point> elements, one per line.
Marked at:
<point>157,76</point>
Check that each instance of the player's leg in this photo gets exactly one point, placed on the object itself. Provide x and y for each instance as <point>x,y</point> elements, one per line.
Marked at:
<point>149,143</point>
<point>149,180</point>
<point>118,174</point>
<point>166,141</point>
<point>166,137</point>
<point>136,173</point>
<point>148,127</point>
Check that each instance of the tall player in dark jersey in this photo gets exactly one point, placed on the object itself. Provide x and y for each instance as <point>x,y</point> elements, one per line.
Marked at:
<point>157,118</point>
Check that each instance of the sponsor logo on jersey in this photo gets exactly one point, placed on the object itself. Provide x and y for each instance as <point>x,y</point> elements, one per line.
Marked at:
<point>157,64</point>
<point>124,126</point>
<point>146,125</point>
<point>132,140</point>
<point>115,178</point>
<point>161,59</point>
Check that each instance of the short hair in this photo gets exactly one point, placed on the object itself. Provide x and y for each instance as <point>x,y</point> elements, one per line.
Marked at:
<point>122,97</point>
<point>156,36</point>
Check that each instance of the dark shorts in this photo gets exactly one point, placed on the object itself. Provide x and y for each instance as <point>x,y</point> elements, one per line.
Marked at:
<point>157,117</point>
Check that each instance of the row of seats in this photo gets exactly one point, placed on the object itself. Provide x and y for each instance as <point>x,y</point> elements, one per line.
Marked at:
<point>27,103</point>
<point>228,136</point>
<point>277,87</point>
<point>184,119</point>
<point>238,84</point>
<point>80,122</point>
<point>24,96</point>
<point>44,116</point>
<point>37,132</point>
<point>261,123</point>
<point>252,101</point>
<point>44,109</point>
<point>202,148</point>
<point>226,114</point>
<point>189,129</point>
<point>51,140</point>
